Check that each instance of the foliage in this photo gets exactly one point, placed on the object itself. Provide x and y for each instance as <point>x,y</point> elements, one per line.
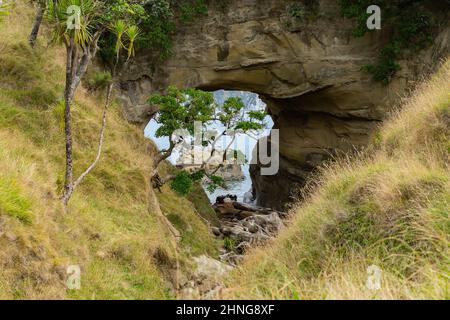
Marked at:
<point>116,230</point>
<point>302,9</point>
<point>411,30</point>
<point>230,244</point>
<point>237,155</point>
<point>3,9</point>
<point>157,25</point>
<point>99,80</point>
<point>215,182</point>
<point>178,111</point>
<point>189,9</point>
<point>59,15</point>
<point>296,10</point>
<point>180,108</point>
<point>182,183</point>
<point>386,65</point>
<point>78,24</point>
<point>158,21</point>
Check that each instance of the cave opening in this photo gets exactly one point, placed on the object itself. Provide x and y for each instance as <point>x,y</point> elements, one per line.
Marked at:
<point>237,176</point>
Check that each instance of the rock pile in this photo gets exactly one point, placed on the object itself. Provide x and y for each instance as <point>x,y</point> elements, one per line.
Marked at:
<point>243,226</point>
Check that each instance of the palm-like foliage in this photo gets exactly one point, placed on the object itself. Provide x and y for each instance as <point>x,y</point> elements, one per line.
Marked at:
<point>132,34</point>
<point>79,24</point>
<point>74,19</point>
<point>119,28</point>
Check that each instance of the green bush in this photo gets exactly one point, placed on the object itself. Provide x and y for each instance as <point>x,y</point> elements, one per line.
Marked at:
<point>304,9</point>
<point>192,8</point>
<point>158,21</point>
<point>296,10</point>
<point>99,80</point>
<point>386,66</point>
<point>411,29</point>
<point>182,184</point>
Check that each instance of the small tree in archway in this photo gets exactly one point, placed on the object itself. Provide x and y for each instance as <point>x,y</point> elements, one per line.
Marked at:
<point>179,111</point>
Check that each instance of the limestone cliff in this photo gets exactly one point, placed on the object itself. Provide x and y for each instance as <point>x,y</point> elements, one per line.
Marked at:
<point>308,72</point>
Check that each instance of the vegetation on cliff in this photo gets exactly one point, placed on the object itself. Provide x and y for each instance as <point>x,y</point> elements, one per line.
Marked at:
<point>388,207</point>
<point>411,29</point>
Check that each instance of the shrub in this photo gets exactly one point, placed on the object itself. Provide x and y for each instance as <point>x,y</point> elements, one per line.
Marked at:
<point>182,183</point>
<point>99,81</point>
<point>296,10</point>
<point>410,30</point>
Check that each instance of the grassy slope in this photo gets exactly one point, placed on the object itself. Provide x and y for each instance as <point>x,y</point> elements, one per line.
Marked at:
<point>389,208</point>
<point>109,230</point>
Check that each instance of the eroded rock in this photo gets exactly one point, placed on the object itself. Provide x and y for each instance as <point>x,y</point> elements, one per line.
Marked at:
<point>308,71</point>
<point>246,226</point>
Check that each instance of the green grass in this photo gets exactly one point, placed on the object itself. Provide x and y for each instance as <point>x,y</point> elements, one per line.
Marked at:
<point>202,204</point>
<point>109,229</point>
<point>13,202</point>
<point>197,238</point>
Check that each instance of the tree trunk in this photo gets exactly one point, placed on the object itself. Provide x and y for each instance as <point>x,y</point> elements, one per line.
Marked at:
<point>68,94</point>
<point>36,24</point>
<point>76,67</point>
<point>100,140</point>
<point>154,204</point>
<point>68,184</point>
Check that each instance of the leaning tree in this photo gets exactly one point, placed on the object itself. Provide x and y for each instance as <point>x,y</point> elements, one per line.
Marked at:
<point>179,112</point>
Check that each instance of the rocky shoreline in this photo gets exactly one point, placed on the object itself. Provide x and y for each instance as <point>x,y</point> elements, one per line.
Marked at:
<point>242,226</point>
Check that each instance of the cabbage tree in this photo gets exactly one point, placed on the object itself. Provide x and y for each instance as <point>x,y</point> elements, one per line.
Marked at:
<point>79,24</point>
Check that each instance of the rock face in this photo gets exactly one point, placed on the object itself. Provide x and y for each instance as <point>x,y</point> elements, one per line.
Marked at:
<point>206,281</point>
<point>308,72</point>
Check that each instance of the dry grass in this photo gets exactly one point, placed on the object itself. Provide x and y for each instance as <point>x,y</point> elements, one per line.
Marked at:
<point>388,207</point>
<point>109,229</point>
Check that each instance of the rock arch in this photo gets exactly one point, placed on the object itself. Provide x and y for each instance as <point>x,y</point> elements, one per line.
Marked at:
<point>308,72</point>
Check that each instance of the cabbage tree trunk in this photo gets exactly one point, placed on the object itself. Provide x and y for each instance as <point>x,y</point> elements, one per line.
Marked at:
<point>40,11</point>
